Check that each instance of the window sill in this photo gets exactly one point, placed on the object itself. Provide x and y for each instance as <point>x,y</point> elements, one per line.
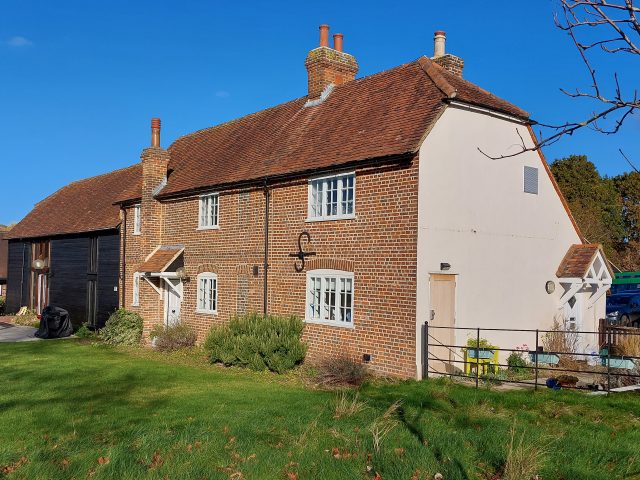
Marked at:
<point>329,219</point>
<point>137,234</point>
<point>207,312</point>
<point>217,227</point>
<point>328,323</point>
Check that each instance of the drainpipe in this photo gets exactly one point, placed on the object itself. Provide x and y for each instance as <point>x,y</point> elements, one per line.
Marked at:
<point>123,233</point>
<point>267,197</point>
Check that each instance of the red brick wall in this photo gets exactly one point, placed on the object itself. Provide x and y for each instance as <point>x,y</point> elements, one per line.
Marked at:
<point>379,245</point>
<point>326,65</point>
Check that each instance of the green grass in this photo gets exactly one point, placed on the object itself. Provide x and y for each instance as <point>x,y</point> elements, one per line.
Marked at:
<point>76,410</point>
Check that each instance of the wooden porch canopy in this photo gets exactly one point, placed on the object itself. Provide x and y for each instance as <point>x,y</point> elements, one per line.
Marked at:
<point>157,265</point>
<point>584,268</point>
<point>161,258</point>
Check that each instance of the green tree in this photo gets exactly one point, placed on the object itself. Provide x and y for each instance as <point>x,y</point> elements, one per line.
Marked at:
<point>628,187</point>
<point>594,201</point>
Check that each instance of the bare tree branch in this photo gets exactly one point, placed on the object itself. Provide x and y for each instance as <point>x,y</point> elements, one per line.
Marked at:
<point>617,24</point>
<point>628,161</point>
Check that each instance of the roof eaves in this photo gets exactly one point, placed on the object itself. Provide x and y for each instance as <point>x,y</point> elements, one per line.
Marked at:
<point>367,162</point>
<point>437,78</point>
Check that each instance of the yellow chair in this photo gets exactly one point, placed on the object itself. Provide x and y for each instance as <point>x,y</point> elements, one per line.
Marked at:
<point>485,359</point>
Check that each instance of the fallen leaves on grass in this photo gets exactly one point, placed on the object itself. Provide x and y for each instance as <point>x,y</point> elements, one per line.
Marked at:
<point>103,460</point>
<point>12,467</point>
<point>156,461</point>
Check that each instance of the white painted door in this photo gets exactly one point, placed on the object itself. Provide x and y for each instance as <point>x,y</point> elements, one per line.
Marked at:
<point>173,301</point>
<point>442,290</point>
<point>572,310</point>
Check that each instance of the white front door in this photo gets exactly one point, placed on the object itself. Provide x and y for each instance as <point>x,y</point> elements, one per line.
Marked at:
<point>172,302</point>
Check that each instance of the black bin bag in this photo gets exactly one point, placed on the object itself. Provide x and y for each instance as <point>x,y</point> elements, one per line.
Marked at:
<point>54,323</point>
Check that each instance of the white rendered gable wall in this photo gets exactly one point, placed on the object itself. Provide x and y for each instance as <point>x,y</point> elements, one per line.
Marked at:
<point>503,244</point>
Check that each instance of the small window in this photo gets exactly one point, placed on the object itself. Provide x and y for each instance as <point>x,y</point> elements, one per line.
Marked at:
<point>330,297</point>
<point>135,301</point>
<point>208,211</point>
<point>137,221</point>
<point>207,293</point>
<point>531,180</point>
<point>332,197</point>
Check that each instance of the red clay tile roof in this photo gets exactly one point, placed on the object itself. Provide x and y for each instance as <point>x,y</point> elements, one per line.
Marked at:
<point>161,258</point>
<point>577,261</point>
<point>82,206</point>
<point>382,115</point>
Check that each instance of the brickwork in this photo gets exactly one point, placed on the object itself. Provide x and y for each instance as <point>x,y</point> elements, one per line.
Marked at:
<point>326,65</point>
<point>378,246</point>
<point>451,63</point>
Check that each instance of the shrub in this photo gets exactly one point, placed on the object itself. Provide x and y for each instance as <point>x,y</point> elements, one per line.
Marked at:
<point>122,328</point>
<point>341,371</point>
<point>85,332</point>
<point>29,319</point>
<point>516,363</point>
<point>257,342</point>
<point>170,338</point>
<point>483,344</point>
<point>3,304</point>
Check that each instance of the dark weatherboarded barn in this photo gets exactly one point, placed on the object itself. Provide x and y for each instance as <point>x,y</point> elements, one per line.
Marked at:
<point>66,251</point>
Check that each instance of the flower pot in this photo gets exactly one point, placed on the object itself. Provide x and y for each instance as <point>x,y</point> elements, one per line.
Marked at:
<point>544,357</point>
<point>482,353</point>
<point>617,362</point>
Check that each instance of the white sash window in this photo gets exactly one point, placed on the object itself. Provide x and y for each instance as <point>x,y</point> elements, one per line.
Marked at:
<point>332,198</point>
<point>330,297</point>
<point>208,211</point>
<point>207,293</point>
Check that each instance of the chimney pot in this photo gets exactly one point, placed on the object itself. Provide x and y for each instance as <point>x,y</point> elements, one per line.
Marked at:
<point>324,35</point>
<point>439,39</point>
<point>337,41</point>
<point>155,132</point>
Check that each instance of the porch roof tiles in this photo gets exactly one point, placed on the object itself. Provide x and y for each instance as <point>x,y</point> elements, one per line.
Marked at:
<point>161,258</point>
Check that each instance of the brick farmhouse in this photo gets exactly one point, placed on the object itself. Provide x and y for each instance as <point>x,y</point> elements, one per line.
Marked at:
<point>367,207</point>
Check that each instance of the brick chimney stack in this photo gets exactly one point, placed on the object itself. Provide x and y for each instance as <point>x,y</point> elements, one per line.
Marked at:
<point>445,60</point>
<point>327,65</point>
<point>155,161</point>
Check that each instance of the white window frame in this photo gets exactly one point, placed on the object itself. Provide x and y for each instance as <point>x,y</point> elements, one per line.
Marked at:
<point>213,226</point>
<point>137,219</point>
<point>325,274</point>
<point>135,291</point>
<point>207,276</point>
<point>324,181</point>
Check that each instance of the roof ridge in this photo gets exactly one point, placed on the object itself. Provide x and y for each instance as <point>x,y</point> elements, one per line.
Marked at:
<point>436,77</point>
<point>99,175</point>
<point>80,180</point>
<point>229,122</point>
<point>279,105</point>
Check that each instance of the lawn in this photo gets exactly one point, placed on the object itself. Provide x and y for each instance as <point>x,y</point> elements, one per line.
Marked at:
<point>69,409</point>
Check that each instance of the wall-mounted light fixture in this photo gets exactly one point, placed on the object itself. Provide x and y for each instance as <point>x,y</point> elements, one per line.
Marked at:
<point>445,266</point>
<point>38,264</point>
<point>181,273</point>
<point>550,287</point>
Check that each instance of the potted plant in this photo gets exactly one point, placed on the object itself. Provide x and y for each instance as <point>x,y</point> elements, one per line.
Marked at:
<point>547,358</point>
<point>480,350</point>
<point>567,380</point>
<point>615,361</point>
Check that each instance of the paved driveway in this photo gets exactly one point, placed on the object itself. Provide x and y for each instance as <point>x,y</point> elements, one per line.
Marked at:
<point>16,333</point>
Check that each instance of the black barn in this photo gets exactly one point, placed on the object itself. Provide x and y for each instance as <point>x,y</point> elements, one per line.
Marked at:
<point>66,251</point>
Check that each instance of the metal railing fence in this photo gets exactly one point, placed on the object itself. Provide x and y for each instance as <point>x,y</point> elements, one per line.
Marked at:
<point>612,362</point>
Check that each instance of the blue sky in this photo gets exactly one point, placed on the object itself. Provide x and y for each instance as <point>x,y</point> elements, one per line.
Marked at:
<point>79,81</point>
